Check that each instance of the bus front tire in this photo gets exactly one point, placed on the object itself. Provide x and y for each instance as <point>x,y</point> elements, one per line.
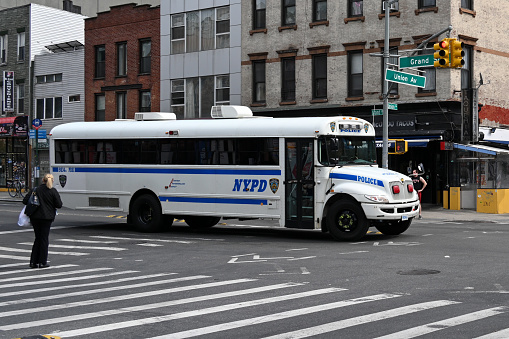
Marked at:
<point>146,214</point>
<point>346,221</point>
<point>196,222</point>
<point>395,227</point>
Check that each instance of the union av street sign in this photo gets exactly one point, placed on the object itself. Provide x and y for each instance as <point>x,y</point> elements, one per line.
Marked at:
<point>405,78</point>
<point>417,61</point>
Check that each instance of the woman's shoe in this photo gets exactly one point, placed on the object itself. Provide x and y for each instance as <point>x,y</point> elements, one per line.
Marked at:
<point>33,265</point>
<point>43,265</point>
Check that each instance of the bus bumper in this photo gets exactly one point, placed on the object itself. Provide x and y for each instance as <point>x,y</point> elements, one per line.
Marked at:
<point>391,211</point>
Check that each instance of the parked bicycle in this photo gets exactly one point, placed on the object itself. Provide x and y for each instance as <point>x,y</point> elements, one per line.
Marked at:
<point>16,187</point>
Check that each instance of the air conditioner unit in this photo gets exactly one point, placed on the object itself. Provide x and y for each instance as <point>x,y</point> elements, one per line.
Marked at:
<point>394,7</point>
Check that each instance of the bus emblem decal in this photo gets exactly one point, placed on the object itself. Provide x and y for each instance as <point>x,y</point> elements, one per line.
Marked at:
<point>366,128</point>
<point>274,185</point>
<point>62,179</point>
<point>249,185</point>
<point>333,126</point>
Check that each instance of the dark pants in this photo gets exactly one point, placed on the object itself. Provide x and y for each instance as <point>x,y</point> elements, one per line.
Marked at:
<point>41,243</point>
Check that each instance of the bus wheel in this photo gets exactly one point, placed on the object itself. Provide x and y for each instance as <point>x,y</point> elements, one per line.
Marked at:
<point>346,221</point>
<point>147,214</point>
<point>201,222</point>
<point>394,227</point>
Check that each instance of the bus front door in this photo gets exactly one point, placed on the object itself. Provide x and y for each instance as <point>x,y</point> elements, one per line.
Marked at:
<point>299,183</point>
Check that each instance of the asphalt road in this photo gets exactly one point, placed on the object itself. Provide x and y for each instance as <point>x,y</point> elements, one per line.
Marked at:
<point>441,279</point>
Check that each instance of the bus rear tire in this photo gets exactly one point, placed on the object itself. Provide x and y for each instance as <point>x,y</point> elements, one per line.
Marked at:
<point>395,227</point>
<point>146,214</point>
<point>346,221</point>
<point>196,222</point>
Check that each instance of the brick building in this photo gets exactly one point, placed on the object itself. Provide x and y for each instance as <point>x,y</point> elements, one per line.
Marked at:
<point>122,62</point>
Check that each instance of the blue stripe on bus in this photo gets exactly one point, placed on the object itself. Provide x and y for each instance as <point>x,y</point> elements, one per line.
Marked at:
<point>360,178</point>
<point>215,200</point>
<point>172,171</point>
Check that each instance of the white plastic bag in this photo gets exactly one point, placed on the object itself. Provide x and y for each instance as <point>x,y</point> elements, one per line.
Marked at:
<point>23,220</point>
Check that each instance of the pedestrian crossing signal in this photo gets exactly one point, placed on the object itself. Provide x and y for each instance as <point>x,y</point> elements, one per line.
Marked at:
<point>398,146</point>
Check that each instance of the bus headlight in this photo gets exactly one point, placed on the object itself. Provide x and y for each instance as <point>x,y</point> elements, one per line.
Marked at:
<point>377,198</point>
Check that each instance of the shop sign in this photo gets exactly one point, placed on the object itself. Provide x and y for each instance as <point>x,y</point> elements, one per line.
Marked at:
<point>8,92</point>
<point>14,126</point>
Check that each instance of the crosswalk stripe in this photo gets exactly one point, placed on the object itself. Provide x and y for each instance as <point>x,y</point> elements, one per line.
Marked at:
<point>88,241</point>
<point>503,334</point>
<point>146,307</point>
<point>10,249</point>
<point>117,249</point>
<point>341,324</point>
<point>228,307</point>
<point>13,257</point>
<point>443,324</point>
<point>100,290</point>
<point>144,239</point>
<point>121,297</point>
<point>37,275</point>
<point>95,283</point>
<point>25,270</point>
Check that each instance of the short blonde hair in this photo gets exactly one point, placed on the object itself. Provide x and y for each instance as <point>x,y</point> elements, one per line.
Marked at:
<point>48,180</point>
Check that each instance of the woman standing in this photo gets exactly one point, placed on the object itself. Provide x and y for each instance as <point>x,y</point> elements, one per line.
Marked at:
<point>42,219</point>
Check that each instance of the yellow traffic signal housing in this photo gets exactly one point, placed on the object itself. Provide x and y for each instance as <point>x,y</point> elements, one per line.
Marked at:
<point>457,53</point>
<point>400,146</point>
<point>442,53</point>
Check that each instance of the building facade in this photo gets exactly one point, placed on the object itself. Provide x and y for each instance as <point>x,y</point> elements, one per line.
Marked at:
<point>314,58</point>
<point>122,62</point>
<point>200,56</point>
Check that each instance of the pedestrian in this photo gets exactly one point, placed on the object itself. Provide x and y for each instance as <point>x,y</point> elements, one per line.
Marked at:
<point>419,185</point>
<point>42,219</point>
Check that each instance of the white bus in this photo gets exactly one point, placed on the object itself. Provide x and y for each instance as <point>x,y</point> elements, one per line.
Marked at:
<point>309,173</point>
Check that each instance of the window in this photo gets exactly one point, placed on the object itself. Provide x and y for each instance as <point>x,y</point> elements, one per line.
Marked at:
<point>259,81</point>
<point>355,8</point>
<point>320,76</point>
<point>192,31</point>
<point>177,97</point>
<point>259,14</point>
<point>392,86</point>
<point>223,27</point>
<point>100,61</point>
<point>467,4</point>
<point>288,18</point>
<point>319,10</point>
<point>430,73</point>
<point>49,108</point>
<point>427,3</point>
<point>100,107</point>
<point>178,30</point>
<point>222,90</point>
<point>3,48</point>
<point>208,29</point>
<point>74,98</point>
<point>145,101</point>
<point>288,79</point>
<point>41,79</point>
<point>21,46</point>
<point>145,56</point>
<point>21,98</point>
<point>121,58</point>
<point>355,70</point>
<point>466,70</point>
<point>121,105</point>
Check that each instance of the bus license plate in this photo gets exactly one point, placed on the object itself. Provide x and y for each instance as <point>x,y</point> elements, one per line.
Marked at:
<point>404,217</point>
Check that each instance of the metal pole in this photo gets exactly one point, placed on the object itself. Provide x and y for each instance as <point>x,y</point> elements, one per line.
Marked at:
<point>385,125</point>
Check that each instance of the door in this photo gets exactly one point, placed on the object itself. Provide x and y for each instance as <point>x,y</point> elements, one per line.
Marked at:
<point>299,183</point>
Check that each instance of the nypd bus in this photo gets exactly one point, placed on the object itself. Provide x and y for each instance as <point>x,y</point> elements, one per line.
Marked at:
<point>309,173</point>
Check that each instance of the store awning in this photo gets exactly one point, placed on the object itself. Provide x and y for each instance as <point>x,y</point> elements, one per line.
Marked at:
<point>482,149</point>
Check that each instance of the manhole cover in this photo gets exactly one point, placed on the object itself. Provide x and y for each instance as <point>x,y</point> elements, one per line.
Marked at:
<point>418,272</point>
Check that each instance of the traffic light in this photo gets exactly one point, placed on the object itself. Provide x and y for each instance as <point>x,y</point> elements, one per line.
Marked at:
<point>442,53</point>
<point>400,146</point>
<point>457,53</point>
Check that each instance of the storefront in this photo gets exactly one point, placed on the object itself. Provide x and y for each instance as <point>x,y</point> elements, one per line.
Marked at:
<point>13,149</point>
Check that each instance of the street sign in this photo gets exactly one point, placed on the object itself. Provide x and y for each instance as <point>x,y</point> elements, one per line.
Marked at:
<point>37,123</point>
<point>377,112</point>
<point>405,78</point>
<point>41,134</point>
<point>417,61</point>
<point>393,106</point>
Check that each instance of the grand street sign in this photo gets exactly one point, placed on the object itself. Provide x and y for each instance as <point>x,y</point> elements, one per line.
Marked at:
<point>405,78</point>
<point>417,61</point>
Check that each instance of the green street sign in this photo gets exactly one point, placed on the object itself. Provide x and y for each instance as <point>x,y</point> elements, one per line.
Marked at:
<point>417,61</point>
<point>393,106</point>
<point>377,112</point>
<point>405,78</point>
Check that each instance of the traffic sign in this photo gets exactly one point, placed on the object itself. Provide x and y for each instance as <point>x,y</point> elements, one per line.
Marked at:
<point>37,123</point>
<point>417,61</point>
<point>405,78</point>
<point>393,106</point>
<point>377,112</point>
<point>41,134</point>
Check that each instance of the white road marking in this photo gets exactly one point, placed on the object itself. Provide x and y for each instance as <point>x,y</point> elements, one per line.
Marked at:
<point>503,334</point>
<point>37,274</point>
<point>144,239</point>
<point>10,249</point>
<point>31,271</point>
<point>354,252</point>
<point>109,248</point>
<point>88,241</point>
<point>13,257</point>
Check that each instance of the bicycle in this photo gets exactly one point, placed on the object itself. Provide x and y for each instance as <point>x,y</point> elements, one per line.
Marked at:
<point>16,187</point>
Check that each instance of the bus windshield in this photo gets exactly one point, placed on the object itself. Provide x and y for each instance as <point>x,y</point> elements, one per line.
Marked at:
<point>349,150</point>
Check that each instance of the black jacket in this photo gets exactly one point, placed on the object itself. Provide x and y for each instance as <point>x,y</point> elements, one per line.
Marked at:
<point>49,200</point>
